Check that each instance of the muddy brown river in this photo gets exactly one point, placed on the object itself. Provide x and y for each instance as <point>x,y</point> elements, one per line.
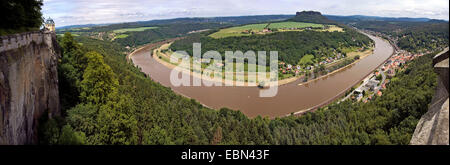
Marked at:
<point>291,98</point>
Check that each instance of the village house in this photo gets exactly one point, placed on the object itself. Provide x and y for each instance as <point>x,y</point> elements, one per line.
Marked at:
<point>266,31</point>
<point>219,65</point>
<point>379,93</point>
<point>289,66</point>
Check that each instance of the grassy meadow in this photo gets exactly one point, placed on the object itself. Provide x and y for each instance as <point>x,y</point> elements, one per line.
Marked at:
<point>280,25</point>
<point>139,29</point>
<point>237,31</point>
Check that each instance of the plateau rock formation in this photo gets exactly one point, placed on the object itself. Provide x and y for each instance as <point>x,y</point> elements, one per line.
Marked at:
<point>311,17</point>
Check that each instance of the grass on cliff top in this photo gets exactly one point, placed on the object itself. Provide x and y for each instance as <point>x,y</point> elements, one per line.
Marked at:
<point>294,25</point>
<point>237,31</point>
<point>139,29</point>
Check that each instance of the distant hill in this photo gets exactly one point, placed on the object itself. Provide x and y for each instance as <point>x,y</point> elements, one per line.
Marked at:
<point>304,16</point>
<point>311,17</point>
<point>79,26</point>
<point>358,18</point>
<point>437,21</point>
<point>232,20</point>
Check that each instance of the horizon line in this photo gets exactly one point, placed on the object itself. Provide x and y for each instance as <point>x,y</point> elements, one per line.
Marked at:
<point>111,23</point>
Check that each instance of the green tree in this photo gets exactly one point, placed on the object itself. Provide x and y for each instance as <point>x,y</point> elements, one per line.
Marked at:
<point>116,123</point>
<point>70,71</point>
<point>83,118</point>
<point>99,81</point>
<point>20,16</point>
<point>49,132</point>
<point>70,137</point>
<point>157,136</point>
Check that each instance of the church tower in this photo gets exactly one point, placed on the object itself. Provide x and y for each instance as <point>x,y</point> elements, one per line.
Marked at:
<point>50,24</point>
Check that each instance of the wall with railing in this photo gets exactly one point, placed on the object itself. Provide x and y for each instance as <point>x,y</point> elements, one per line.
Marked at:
<point>15,41</point>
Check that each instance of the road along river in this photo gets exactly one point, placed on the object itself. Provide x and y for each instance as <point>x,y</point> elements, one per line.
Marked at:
<point>291,98</point>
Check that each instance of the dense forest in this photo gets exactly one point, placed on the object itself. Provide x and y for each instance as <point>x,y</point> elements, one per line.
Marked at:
<point>22,16</point>
<point>424,37</point>
<point>163,32</point>
<point>234,20</point>
<point>109,101</point>
<point>291,46</point>
<point>165,29</point>
<point>411,36</point>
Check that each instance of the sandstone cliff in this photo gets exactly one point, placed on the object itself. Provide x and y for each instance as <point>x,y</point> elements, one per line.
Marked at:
<point>28,84</point>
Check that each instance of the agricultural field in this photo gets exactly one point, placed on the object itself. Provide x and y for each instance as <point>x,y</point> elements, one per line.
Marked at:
<point>73,34</point>
<point>247,30</point>
<point>237,31</point>
<point>281,25</point>
<point>333,28</point>
<point>77,29</point>
<point>120,36</point>
<point>139,29</point>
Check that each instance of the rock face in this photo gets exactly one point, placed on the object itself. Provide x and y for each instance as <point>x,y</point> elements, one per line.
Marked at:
<point>432,128</point>
<point>28,84</point>
<point>311,17</point>
<point>308,13</point>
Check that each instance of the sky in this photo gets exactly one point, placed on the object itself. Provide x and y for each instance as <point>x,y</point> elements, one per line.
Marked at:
<point>78,12</point>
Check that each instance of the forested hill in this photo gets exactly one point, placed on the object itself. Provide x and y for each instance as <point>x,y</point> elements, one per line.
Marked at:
<point>135,39</point>
<point>137,110</point>
<point>425,37</point>
<point>236,20</point>
<point>358,18</point>
<point>415,35</point>
<point>291,46</point>
<point>411,36</point>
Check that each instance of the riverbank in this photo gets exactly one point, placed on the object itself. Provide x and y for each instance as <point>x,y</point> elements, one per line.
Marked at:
<point>342,94</point>
<point>364,55</point>
<point>151,46</point>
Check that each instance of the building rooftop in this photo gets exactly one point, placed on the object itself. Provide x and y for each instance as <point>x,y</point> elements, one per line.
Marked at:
<point>49,21</point>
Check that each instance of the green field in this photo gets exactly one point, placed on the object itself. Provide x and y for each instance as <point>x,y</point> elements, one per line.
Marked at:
<point>139,29</point>
<point>350,49</point>
<point>122,36</point>
<point>280,25</point>
<point>73,34</point>
<point>257,28</point>
<point>237,31</point>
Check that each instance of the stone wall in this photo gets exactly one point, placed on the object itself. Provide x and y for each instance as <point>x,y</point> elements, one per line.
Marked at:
<point>433,127</point>
<point>28,84</point>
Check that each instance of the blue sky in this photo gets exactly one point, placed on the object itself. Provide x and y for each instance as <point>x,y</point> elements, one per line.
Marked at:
<point>75,12</point>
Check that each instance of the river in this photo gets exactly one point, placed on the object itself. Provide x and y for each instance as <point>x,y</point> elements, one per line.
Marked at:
<point>291,98</point>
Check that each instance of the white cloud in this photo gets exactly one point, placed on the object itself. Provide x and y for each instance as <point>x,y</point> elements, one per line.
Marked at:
<point>69,12</point>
